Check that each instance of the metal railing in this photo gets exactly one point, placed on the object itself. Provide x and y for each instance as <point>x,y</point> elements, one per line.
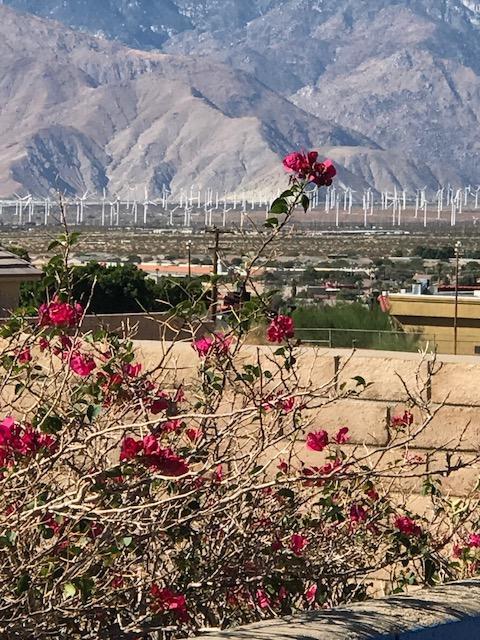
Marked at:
<point>366,339</point>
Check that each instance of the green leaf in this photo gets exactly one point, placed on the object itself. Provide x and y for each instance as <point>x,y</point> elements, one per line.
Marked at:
<point>93,412</point>
<point>127,541</point>
<point>23,584</point>
<point>52,424</point>
<point>53,245</point>
<point>279,205</point>
<point>271,222</point>
<point>73,238</point>
<point>287,194</point>
<point>286,493</point>
<point>361,382</point>
<point>305,203</point>
<point>18,387</point>
<point>85,585</point>
<point>69,590</point>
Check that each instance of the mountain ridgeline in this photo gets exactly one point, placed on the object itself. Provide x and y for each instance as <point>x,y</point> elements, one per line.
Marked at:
<point>130,93</point>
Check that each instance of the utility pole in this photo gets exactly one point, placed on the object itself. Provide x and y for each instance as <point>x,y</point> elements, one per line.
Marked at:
<point>455,317</point>
<point>215,258</point>
<point>215,250</point>
<point>189,250</point>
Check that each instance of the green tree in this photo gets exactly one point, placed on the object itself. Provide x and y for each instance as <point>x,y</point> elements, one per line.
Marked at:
<point>120,289</point>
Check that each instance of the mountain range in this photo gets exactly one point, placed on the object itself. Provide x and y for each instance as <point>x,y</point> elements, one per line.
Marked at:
<point>213,92</point>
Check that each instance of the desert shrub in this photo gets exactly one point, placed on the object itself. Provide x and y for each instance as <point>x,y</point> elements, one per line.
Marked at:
<point>352,325</point>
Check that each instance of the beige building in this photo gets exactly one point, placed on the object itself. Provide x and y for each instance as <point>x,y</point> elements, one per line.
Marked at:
<point>13,271</point>
<point>433,317</point>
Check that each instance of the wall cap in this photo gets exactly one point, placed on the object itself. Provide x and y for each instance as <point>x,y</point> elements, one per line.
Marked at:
<point>449,612</point>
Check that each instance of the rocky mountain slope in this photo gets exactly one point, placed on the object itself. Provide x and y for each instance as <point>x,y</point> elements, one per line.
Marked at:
<point>82,113</point>
<point>405,73</point>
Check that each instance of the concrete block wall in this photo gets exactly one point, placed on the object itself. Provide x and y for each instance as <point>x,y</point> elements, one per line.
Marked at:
<point>392,377</point>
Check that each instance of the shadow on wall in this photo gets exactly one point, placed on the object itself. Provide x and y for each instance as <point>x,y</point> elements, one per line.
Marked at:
<point>154,326</point>
<point>142,326</point>
<point>446,613</point>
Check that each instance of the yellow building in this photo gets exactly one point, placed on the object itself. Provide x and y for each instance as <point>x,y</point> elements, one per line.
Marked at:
<point>433,317</point>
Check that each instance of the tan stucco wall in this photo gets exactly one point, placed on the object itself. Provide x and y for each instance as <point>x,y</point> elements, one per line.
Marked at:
<point>453,391</point>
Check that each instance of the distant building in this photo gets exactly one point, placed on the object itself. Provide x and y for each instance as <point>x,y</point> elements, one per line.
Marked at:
<point>433,317</point>
<point>13,271</point>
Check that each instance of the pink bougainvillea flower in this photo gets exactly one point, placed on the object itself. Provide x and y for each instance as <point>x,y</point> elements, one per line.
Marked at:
<point>298,543</point>
<point>297,162</point>
<point>263,600</point>
<point>203,346</point>
<point>317,441</point>
<point>132,370</point>
<point>130,448</point>
<point>19,441</point>
<point>311,593</point>
<point>167,463</point>
<point>193,434</point>
<point>51,523</point>
<point>151,445</point>
<point>288,404</point>
<point>6,429</point>
<point>167,601</point>
<point>66,342</point>
<point>153,456</point>
<point>280,328</point>
<point>216,344</point>
<point>405,420</point>
<point>59,314</point>
<point>283,466</point>
<point>357,514</point>
<point>117,582</point>
<point>372,494</point>
<point>474,541</point>
<point>171,426</point>
<point>96,530</point>
<point>43,344</point>
<point>305,167</point>
<point>24,356</point>
<point>275,401</point>
<point>407,526</point>
<point>82,365</point>
<point>160,403</point>
<point>342,436</point>
<point>218,474</point>
<point>45,442</point>
<point>282,594</point>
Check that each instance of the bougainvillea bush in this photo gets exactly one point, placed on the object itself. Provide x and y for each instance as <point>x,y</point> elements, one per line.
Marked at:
<point>143,503</point>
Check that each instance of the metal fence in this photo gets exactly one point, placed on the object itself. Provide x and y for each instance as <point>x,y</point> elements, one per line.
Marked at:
<point>366,339</point>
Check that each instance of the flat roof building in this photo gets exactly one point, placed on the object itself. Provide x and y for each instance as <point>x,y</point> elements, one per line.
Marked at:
<point>432,316</point>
